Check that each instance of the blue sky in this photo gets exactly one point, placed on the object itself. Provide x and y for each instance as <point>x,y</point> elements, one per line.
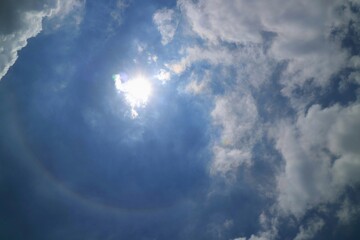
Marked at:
<point>208,119</point>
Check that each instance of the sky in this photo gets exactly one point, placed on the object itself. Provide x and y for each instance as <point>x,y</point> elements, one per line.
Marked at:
<point>179,119</point>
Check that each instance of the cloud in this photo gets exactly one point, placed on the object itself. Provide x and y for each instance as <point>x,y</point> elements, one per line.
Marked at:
<point>23,20</point>
<point>166,22</point>
<point>348,212</point>
<point>235,112</point>
<point>197,86</point>
<point>163,76</point>
<point>233,61</point>
<point>215,20</point>
<point>261,236</point>
<point>122,4</point>
<point>308,36</point>
<point>117,13</point>
<point>213,55</point>
<point>310,231</point>
<point>354,63</point>
<point>245,21</point>
<point>251,64</point>
<point>298,49</point>
<point>269,229</point>
<point>321,156</point>
<point>238,124</point>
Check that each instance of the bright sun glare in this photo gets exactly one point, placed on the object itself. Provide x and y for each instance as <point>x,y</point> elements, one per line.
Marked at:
<point>136,91</point>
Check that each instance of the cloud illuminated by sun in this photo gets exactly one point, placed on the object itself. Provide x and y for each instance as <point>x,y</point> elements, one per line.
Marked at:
<point>136,91</point>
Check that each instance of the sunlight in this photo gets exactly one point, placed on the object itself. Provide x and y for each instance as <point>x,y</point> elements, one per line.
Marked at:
<point>136,91</point>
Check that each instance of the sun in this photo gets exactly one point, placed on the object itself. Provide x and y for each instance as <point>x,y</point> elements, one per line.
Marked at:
<point>136,91</point>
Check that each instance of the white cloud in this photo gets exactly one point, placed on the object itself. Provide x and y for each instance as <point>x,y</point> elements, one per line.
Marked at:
<point>22,21</point>
<point>269,229</point>
<point>243,21</point>
<point>261,236</point>
<point>321,156</point>
<point>163,76</point>
<point>117,13</point>
<point>122,4</point>
<point>310,231</point>
<point>166,22</point>
<point>354,62</point>
<point>303,34</point>
<point>236,115</point>
<point>214,55</point>
<point>218,20</point>
<point>228,223</point>
<point>196,86</point>
<point>235,112</point>
<point>348,212</point>
<point>140,47</point>
<point>252,66</point>
<point>304,38</point>
<point>319,148</point>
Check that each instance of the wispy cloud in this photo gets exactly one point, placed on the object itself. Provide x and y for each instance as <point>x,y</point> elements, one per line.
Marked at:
<point>238,123</point>
<point>167,22</point>
<point>311,229</point>
<point>117,12</point>
<point>163,76</point>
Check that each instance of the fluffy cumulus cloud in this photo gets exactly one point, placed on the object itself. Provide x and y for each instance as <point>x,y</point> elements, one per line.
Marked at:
<point>321,156</point>
<point>21,20</point>
<point>304,33</point>
<point>293,53</point>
